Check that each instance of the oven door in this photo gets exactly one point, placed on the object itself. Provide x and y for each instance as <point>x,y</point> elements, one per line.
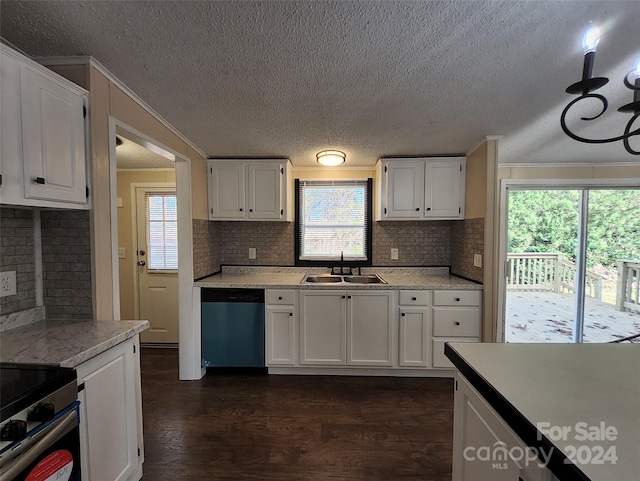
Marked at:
<point>50,452</point>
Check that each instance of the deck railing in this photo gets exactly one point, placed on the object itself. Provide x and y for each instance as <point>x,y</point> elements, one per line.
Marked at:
<point>548,271</point>
<point>628,289</point>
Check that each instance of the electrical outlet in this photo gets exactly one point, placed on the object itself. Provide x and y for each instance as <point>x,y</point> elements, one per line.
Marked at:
<point>394,254</point>
<point>477,260</point>
<point>8,283</point>
<point>252,252</point>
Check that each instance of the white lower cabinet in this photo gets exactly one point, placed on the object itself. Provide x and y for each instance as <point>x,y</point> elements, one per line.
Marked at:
<point>323,328</point>
<point>484,446</point>
<point>414,329</point>
<point>354,328</point>
<point>111,414</point>
<point>456,317</point>
<point>370,328</point>
<point>281,336</point>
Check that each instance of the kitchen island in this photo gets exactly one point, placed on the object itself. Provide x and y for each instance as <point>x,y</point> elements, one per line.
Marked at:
<point>576,406</point>
<point>106,357</point>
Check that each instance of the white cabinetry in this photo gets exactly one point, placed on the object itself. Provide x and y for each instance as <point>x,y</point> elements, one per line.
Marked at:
<point>281,327</point>
<point>250,190</point>
<point>477,426</point>
<point>339,328</point>
<point>43,136</point>
<point>456,317</point>
<point>111,414</point>
<point>414,329</point>
<point>421,188</point>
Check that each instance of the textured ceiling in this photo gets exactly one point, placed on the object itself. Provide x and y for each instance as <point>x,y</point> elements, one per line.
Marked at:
<point>371,78</point>
<point>131,155</point>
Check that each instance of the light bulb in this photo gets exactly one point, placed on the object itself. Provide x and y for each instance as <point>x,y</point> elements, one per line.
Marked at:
<point>591,39</point>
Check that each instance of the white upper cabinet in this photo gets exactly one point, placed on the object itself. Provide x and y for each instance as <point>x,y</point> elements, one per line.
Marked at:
<point>43,135</point>
<point>421,188</point>
<point>250,190</point>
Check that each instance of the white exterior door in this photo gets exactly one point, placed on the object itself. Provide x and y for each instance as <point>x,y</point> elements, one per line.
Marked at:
<point>265,190</point>
<point>444,186</point>
<point>53,139</point>
<point>370,328</point>
<point>157,263</point>
<point>405,189</point>
<point>227,190</point>
<point>323,327</point>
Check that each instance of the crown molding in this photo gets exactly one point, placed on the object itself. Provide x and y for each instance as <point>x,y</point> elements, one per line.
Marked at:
<point>87,60</point>
<point>487,138</point>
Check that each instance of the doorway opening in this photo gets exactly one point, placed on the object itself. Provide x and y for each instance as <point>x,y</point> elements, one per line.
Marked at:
<point>572,265</point>
<point>147,239</point>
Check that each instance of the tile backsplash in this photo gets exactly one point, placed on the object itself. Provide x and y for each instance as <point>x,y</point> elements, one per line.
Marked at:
<point>419,243</point>
<point>467,239</point>
<point>273,242</point>
<point>66,264</point>
<point>17,254</point>
<point>206,249</point>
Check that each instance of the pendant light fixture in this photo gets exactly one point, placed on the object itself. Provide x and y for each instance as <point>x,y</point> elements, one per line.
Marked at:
<point>331,158</point>
<point>589,84</point>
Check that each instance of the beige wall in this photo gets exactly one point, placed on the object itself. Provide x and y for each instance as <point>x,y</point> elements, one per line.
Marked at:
<point>578,172</point>
<point>125,231</point>
<point>476,184</point>
<point>106,100</point>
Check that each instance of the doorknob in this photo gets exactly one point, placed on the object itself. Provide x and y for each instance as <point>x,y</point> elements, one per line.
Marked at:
<point>141,263</point>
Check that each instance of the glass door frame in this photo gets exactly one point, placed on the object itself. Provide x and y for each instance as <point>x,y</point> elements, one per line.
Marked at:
<point>582,185</point>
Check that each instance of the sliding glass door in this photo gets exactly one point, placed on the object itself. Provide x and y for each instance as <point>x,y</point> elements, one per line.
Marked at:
<point>571,257</point>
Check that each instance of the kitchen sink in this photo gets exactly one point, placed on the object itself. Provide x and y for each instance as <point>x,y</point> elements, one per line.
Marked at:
<point>323,278</point>
<point>363,279</point>
<point>333,279</point>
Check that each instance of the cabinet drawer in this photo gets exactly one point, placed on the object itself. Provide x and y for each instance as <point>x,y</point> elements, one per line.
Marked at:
<point>439,359</point>
<point>282,297</point>
<point>456,298</point>
<point>456,322</point>
<point>414,298</point>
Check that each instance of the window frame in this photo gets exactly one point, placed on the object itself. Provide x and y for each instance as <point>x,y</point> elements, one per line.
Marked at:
<point>147,227</point>
<point>327,262</point>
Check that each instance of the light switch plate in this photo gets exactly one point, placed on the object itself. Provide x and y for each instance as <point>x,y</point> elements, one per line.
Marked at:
<point>394,254</point>
<point>9,287</point>
<point>122,253</point>
<point>252,252</point>
<point>477,260</point>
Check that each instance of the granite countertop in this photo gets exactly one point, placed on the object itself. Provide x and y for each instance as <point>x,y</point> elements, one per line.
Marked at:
<point>65,343</point>
<point>291,277</point>
<point>563,385</point>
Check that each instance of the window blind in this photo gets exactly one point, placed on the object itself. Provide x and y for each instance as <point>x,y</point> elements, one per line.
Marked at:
<point>333,220</point>
<point>162,231</point>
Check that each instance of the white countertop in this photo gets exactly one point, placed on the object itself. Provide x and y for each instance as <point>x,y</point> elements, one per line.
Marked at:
<point>566,384</point>
<point>291,277</point>
<point>65,343</point>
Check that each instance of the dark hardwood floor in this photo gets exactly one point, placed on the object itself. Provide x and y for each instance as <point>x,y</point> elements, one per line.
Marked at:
<point>293,427</point>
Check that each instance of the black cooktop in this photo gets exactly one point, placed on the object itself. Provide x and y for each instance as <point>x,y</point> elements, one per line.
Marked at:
<point>24,384</point>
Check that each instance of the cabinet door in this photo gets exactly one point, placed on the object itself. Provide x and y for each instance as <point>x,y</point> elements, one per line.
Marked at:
<point>280,335</point>
<point>444,189</point>
<point>226,190</point>
<point>404,189</point>
<point>265,190</point>
<point>109,421</point>
<point>323,327</point>
<point>414,337</point>
<point>370,339</point>
<point>53,139</point>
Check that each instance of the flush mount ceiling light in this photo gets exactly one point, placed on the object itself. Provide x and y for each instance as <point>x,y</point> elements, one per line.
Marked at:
<point>589,84</point>
<point>331,157</point>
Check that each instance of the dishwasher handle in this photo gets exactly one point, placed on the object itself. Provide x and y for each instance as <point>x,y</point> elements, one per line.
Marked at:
<point>210,294</point>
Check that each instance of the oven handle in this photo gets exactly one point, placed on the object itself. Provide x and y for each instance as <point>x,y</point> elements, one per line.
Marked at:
<point>65,423</point>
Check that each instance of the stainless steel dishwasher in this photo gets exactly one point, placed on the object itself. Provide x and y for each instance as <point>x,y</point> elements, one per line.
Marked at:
<point>233,329</point>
